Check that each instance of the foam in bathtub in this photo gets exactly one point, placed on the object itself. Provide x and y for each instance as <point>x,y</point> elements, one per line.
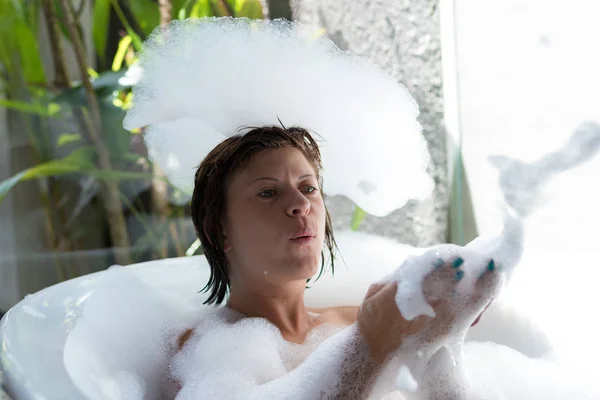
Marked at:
<point>124,342</point>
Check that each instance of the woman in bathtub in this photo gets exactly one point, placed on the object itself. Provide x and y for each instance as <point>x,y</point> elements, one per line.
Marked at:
<point>259,213</point>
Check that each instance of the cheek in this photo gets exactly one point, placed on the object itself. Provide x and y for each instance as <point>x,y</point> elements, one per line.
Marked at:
<point>320,213</point>
<point>247,227</point>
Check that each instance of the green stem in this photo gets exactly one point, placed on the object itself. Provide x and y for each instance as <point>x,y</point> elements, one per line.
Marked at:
<point>221,8</point>
<point>137,42</point>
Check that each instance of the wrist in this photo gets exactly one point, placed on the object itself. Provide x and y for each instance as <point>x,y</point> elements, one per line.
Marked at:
<point>374,346</point>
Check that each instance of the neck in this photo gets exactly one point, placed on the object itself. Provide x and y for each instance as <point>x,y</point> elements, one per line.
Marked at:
<point>283,305</point>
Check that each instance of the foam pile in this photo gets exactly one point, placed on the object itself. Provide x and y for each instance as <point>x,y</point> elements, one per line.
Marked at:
<point>123,348</point>
<point>202,80</point>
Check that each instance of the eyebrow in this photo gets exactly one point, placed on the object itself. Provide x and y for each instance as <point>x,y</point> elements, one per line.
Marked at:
<point>267,178</point>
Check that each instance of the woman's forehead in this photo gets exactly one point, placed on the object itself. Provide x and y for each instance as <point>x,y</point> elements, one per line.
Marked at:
<point>274,162</point>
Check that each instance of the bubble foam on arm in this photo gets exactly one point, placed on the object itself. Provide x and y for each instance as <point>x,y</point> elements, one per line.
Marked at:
<point>339,368</point>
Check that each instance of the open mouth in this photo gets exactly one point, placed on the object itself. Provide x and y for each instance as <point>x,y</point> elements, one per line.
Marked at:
<point>304,236</point>
<point>303,239</point>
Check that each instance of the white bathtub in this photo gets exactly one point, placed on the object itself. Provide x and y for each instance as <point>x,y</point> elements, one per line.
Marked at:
<point>34,332</point>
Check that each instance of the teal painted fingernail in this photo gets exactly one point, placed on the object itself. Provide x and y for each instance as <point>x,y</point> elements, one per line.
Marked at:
<point>459,275</point>
<point>439,263</point>
<point>457,262</point>
<point>491,265</point>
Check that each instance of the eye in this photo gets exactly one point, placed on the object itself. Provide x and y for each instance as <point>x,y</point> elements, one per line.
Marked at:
<point>267,193</point>
<point>310,189</point>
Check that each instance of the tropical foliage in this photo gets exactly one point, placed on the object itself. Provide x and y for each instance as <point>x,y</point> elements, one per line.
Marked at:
<point>82,160</point>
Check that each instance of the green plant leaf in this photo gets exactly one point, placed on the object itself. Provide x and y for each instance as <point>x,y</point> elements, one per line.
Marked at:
<point>107,82</point>
<point>137,41</point>
<point>252,9</point>
<point>357,218</point>
<point>109,79</point>
<point>31,12</point>
<point>33,69</point>
<point>124,44</point>
<point>193,248</point>
<point>201,9</point>
<point>43,110</point>
<point>221,8</point>
<point>145,13</point>
<point>116,175</point>
<point>7,184</point>
<point>100,26</point>
<point>116,138</point>
<point>79,159</point>
<point>92,73</point>
<point>179,7</point>
<point>181,12</point>
<point>19,52</point>
<point>66,138</point>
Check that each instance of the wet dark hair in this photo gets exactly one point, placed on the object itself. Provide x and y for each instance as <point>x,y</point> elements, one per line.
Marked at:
<point>210,190</point>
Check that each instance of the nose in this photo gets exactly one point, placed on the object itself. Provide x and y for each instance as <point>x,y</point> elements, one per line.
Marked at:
<point>299,205</point>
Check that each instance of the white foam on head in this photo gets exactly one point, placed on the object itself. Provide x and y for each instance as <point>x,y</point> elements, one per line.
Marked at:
<point>204,79</point>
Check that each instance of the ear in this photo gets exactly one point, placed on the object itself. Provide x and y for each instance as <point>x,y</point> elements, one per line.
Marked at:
<point>226,243</point>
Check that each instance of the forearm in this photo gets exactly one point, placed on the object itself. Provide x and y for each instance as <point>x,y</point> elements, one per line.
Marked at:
<point>359,371</point>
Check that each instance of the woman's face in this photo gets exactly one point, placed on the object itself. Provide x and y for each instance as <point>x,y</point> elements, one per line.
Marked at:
<point>275,218</point>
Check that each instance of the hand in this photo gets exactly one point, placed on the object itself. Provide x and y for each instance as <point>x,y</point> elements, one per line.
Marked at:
<point>480,315</point>
<point>457,306</point>
<point>381,325</point>
<point>459,295</point>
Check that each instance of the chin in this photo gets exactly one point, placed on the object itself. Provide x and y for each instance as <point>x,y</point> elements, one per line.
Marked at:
<point>304,269</point>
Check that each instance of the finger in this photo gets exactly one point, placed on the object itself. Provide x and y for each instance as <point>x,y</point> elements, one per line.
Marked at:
<point>488,284</point>
<point>374,288</point>
<point>385,292</point>
<point>438,284</point>
<point>481,314</point>
<point>389,290</point>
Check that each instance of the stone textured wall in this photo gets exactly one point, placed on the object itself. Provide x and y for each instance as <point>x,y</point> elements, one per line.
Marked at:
<point>402,37</point>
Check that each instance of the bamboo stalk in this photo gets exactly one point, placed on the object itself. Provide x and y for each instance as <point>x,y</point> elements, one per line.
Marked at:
<point>165,8</point>
<point>61,81</point>
<point>222,8</point>
<point>61,78</point>
<point>112,202</point>
<point>176,239</point>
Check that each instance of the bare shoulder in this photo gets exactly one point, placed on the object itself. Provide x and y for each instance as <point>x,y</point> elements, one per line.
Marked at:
<point>336,315</point>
